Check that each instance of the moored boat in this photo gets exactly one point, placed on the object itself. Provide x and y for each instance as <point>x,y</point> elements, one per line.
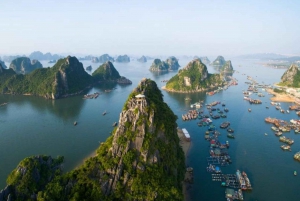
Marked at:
<point>230,135</point>
<point>75,123</point>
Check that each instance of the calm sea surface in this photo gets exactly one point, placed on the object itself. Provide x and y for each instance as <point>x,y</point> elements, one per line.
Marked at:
<point>32,125</point>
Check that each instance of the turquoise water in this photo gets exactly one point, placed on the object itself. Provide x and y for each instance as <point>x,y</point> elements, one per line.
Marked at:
<point>33,125</point>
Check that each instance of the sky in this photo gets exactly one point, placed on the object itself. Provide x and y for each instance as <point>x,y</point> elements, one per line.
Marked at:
<point>203,28</point>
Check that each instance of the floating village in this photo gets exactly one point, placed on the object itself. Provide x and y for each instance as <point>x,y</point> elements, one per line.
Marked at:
<point>237,183</point>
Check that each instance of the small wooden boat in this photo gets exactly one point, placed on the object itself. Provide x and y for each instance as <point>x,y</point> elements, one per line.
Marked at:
<point>230,135</point>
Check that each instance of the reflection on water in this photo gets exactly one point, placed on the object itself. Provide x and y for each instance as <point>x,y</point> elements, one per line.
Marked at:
<point>67,108</point>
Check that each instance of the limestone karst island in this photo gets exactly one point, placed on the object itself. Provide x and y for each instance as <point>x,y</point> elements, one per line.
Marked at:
<point>194,78</point>
<point>67,77</point>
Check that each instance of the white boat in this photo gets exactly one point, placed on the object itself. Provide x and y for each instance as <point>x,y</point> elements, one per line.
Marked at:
<point>287,111</point>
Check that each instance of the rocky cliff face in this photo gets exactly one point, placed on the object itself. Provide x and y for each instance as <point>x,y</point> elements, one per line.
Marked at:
<point>24,65</point>
<point>145,140</point>
<point>143,59</point>
<point>290,75</point>
<point>123,59</point>
<point>227,67</point>
<point>193,78</point>
<point>219,61</point>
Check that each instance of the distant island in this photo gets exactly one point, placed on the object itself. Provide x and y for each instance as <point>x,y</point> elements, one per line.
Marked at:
<point>169,65</point>
<point>227,67</point>
<point>108,73</point>
<point>102,59</point>
<point>52,61</point>
<point>105,57</point>
<point>123,59</point>
<point>194,78</point>
<point>37,55</point>
<point>23,65</point>
<point>204,60</point>
<point>3,64</point>
<point>143,59</point>
<point>141,160</point>
<point>67,77</point>
<point>89,68</point>
<point>219,62</point>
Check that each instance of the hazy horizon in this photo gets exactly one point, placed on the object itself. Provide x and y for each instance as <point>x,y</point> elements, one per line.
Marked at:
<point>206,28</point>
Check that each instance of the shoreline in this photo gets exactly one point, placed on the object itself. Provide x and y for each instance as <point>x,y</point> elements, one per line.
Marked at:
<point>278,97</point>
<point>186,148</point>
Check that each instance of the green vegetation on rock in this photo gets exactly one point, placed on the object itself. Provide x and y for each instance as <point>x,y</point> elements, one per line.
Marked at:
<point>106,71</point>
<point>194,77</point>
<point>32,175</point>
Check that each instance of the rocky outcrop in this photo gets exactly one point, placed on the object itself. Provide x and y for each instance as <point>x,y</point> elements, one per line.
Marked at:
<point>105,57</point>
<point>218,62</point>
<point>31,176</point>
<point>143,59</point>
<point>24,65</point>
<point>291,76</point>
<point>194,78</point>
<point>173,63</point>
<point>3,64</point>
<point>123,59</point>
<point>227,67</point>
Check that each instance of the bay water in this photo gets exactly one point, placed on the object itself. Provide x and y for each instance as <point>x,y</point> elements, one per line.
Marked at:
<point>32,125</point>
